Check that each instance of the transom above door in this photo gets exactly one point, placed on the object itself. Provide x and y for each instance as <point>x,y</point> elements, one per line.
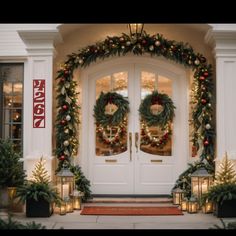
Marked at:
<point>126,159</point>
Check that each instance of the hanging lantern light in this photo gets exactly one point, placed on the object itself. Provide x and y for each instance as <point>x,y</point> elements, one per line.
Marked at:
<point>178,195</point>
<point>201,181</point>
<point>136,30</point>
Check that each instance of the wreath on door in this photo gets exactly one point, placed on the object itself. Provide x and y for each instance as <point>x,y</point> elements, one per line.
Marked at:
<point>110,113</point>
<point>110,109</point>
<point>157,109</point>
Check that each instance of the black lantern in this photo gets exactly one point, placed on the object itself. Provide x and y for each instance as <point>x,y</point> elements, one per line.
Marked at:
<point>178,195</point>
<point>201,181</point>
<point>136,30</point>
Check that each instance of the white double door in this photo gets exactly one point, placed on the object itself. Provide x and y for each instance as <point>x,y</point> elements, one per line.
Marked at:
<point>135,171</point>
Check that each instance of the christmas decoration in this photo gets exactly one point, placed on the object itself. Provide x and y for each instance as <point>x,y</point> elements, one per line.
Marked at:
<point>226,173</point>
<point>157,141</point>
<point>170,49</point>
<point>40,174</point>
<point>68,117</point>
<point>160,118</point>
<point>109,118</point>
<point>107,136</point>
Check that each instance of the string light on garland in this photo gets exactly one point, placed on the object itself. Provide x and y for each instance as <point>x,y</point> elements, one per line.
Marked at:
<point>155,141</point>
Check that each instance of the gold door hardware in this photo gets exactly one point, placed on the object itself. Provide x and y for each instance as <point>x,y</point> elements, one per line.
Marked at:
<point>110,160</point>
<point>130,146</point>
<point>157,161</point>
<point>136,141</point>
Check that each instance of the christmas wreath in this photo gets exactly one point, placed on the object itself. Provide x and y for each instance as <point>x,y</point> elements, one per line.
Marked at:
<point>164,114</point>
<point>110,109</point>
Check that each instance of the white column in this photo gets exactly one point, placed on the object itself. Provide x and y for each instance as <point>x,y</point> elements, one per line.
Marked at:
<point>38,141</point>
<point>223,39</point>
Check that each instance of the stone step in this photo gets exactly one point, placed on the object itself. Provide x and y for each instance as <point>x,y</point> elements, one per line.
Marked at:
<point>129,200</point>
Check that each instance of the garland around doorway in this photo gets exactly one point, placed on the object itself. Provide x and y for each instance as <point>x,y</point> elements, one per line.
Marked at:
<point>156,45</point>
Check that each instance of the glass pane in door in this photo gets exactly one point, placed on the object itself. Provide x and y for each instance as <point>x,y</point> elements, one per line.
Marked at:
<point>112,140</point>
<point>154,139</point>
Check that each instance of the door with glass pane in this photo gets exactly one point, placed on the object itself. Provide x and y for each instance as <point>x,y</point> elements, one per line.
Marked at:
<point>135,164</point>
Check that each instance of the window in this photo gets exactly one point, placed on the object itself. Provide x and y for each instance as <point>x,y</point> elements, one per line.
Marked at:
<point>11,103</point>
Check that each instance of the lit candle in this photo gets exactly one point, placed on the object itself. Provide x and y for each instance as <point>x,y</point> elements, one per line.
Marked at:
<point>65,190</point>
<point>204,188</point>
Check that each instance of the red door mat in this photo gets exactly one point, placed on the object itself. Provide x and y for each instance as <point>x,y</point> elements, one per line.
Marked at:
<point>130,211</point>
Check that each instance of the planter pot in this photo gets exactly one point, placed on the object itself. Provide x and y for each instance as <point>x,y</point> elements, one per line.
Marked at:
<point>39,208</point>
<point>13,203</point>
<point>226,209</point>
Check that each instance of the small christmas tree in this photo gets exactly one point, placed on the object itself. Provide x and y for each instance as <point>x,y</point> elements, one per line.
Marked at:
<point>226,173</point>
<point>40,174</point>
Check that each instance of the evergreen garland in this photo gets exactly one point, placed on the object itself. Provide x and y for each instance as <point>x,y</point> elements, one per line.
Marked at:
<point>155,45</point>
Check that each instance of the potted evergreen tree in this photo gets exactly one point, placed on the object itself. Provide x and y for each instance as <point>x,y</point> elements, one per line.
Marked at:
<point>223,192</point>
<point>38,193</point>
<point>12,174</point>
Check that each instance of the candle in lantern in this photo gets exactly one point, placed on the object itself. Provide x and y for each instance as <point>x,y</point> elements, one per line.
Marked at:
<point>204,188</point>
<point>65,191</point>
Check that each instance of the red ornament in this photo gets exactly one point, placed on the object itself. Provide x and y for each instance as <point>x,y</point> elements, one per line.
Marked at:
<point>66,72</point>
<point>62,79</point>
<point>201,78</point>
<point>206,142</point>
<point>205,74</point>
<point>204,101</point>
<point>63,122</point>
<point>144,42</point>
<point>62,158</point>
<point>65,107</point>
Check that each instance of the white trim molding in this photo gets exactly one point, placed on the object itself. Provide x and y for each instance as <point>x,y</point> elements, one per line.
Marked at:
<point>223,39</point>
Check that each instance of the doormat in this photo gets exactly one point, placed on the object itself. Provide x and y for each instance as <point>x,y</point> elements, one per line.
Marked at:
<point>131,211</point>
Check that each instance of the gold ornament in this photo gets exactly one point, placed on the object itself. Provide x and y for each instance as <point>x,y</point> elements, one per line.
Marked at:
<point>157,43</point>
<point>110,109</point>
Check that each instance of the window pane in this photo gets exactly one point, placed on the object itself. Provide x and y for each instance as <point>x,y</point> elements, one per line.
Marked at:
<point>112,140</point>
<point>17,101</point>
<point>16,115</point>
<point>7,101</point>
<point>103,85</point>
<point>164,85</point>
<point>120,82</point>
<point>11,97</point>
<point>148,83</point>
<point>155,139</point>
<point>16,131</point>
<point>17,88</point>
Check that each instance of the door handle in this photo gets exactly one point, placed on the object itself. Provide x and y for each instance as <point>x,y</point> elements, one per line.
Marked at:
<point>130,146</point>
<point>136,141</point>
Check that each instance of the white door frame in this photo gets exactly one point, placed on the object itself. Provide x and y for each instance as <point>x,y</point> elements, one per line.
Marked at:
<point>167,67</point>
